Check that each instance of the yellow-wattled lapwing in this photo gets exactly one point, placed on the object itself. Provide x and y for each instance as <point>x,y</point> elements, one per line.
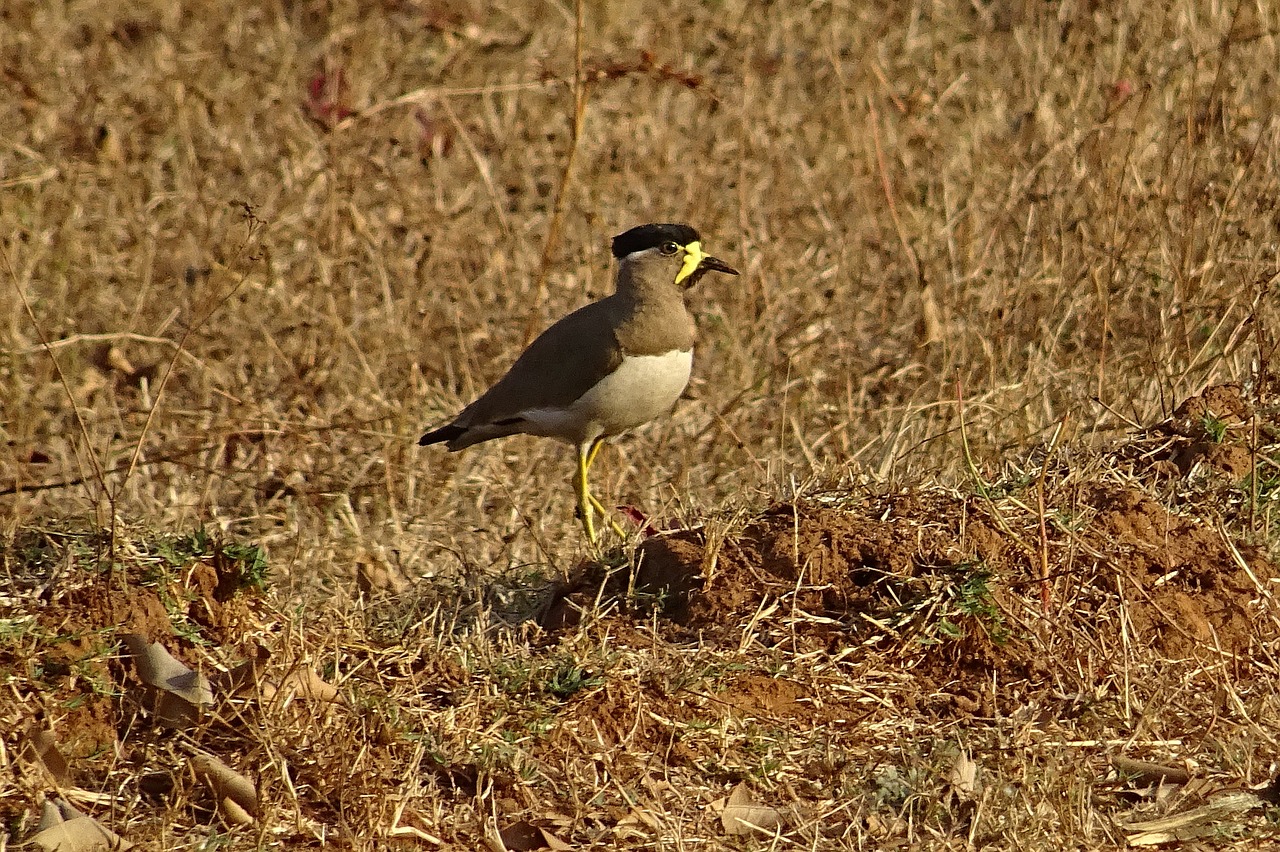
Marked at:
<point>605,368</point>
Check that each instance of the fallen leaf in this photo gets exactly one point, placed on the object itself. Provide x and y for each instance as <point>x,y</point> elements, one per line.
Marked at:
<point>306,684</point>
<point>236,796</point>
<point>62,828</point>
<point>298,683</point>
<point>964,777</point>
<point>524,836</point>
<point>39,746</point>
<point>743,815</point>
<point>177,695</point>
<point>1217,818</point>
<point>642,816</point>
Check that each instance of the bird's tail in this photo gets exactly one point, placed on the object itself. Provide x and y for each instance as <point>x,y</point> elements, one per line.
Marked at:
<point>447,432</point>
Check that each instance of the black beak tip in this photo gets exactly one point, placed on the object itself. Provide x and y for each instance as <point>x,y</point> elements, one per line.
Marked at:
<point>710,263</point>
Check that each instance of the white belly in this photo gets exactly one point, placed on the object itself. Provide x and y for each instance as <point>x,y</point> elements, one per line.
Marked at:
<point>643,387</point>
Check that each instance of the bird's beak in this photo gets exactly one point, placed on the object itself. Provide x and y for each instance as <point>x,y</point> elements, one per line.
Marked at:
<point>706,264</point>
<point>697,264</point>
<point>710,264</point>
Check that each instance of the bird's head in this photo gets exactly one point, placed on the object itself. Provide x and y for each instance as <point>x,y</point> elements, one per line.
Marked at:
<point>667,252</point>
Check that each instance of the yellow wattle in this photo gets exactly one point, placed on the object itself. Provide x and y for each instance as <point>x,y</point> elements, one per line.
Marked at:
<point>692,257</point>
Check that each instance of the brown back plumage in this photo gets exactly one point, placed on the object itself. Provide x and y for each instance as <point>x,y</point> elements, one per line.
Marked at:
<point>646,315</point>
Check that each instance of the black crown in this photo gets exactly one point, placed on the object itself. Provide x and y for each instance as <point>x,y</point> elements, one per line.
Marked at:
<point>651,236</point>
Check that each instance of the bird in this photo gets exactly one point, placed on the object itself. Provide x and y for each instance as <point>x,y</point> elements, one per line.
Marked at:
<point>608,367</point>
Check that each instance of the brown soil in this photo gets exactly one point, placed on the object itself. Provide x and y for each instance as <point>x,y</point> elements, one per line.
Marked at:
<point>1183,588</point>
<point>843,570</point>
<point>1191,440</point>
<point>948,606</point>
<point>74,668</point>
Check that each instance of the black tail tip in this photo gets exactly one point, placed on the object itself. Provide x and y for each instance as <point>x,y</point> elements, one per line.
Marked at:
<point>438,436</point>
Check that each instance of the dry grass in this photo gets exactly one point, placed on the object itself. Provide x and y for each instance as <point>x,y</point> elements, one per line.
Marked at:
<point>263,245</point>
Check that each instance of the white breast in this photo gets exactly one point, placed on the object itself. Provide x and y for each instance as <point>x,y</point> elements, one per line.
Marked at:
<point>643,387</point>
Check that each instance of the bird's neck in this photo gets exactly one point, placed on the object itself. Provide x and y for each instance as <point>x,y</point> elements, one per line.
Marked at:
<point>643,292</point>
<point>656,321</point>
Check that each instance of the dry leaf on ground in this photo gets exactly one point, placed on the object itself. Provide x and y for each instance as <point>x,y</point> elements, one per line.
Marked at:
<point>304,683</point>
<point>524,836</point>
<point>743,815</point>
<point>176,694</point>
<point>1220,816</point>
<point>62,828</point>
<point>237,797</point>
<point>39,746</point>
<point>964,776</point>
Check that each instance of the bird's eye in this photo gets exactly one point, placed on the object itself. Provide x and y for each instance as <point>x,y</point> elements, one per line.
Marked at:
<point>668,248</point>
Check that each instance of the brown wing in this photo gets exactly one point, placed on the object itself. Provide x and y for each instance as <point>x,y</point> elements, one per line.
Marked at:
<point>552,373</point>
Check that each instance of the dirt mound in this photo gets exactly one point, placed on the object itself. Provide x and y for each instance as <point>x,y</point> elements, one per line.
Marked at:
<point>184,591</point>
<point>1210,428</point>
<point>945,577</point>
<point>1187,585</point>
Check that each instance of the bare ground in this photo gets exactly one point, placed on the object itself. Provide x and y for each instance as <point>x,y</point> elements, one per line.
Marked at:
<point>921,666</point>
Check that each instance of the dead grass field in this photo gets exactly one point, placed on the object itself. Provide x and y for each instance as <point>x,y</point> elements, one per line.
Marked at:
<point>971,500</point>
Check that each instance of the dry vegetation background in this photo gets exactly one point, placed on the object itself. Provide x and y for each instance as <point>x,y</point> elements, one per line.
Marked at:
<point>269,243</point>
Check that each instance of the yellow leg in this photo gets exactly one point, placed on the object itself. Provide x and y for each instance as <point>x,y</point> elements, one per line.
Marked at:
<point>595,450</point>
<point>608,516</point>
<point>596,504</point>
<point>580,490</point>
